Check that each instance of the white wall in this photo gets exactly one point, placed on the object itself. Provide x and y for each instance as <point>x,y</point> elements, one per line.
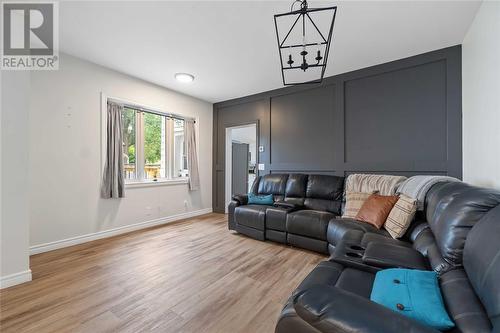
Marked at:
<point>14,203</point>
<point>481,97</point>
<point>65,149</point>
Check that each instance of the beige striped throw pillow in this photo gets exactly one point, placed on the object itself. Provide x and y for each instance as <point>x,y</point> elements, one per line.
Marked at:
<point>353,202</point>
<point>400,217</point>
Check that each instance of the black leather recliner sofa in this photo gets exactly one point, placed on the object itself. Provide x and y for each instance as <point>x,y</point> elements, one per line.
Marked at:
<point>458,236</point>
<point>304,206</point>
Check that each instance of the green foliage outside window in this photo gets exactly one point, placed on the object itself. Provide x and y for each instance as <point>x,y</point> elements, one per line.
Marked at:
<point>128,117</point>
<point>152,138</point>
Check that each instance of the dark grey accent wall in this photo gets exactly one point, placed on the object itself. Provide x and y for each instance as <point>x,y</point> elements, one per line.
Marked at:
<point>402,117</point>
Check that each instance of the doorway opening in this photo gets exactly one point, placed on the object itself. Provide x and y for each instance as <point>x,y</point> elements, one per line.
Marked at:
<point>241,159</point>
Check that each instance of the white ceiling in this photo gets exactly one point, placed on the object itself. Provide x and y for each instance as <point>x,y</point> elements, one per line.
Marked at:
<point>230,46</point>
<point>246,134</point>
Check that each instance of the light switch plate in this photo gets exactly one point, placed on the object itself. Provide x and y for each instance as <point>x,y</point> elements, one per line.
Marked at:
<point>262,167</point>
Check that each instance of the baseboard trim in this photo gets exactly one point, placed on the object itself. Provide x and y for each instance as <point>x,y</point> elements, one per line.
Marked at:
<point>14,279</point>
<point>40,248</point>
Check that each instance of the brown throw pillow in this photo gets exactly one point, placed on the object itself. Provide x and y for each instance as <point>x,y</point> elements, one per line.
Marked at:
<point>400,217</point>
<point>353,202</point>
<point>376,209</point>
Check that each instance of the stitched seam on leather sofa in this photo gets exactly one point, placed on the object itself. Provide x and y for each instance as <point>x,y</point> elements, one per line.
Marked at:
<point>483,280</point>
<point>468,314</point>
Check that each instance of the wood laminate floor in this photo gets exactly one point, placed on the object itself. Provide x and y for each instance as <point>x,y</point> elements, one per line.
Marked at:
<point>189,276</point>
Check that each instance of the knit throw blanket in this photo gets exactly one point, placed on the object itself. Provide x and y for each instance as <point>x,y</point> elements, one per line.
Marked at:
<point>368,183</point>
<point>417,186</point>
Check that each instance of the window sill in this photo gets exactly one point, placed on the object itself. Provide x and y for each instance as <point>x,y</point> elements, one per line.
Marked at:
<point>159,182</point>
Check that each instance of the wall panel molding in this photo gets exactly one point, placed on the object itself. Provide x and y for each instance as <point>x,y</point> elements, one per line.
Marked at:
<point>402,117</point>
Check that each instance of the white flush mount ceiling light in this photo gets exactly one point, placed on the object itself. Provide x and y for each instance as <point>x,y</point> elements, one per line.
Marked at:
<point>184,77</point>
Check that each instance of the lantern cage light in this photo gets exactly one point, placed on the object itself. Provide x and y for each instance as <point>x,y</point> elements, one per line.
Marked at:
<point>306,55</point>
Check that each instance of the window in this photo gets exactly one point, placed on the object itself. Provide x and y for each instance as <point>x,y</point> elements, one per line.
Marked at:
<point>129,130</point>
<point>153,146</point>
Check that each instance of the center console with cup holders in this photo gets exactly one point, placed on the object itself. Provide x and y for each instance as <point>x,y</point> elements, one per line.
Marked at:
<point>351,254</point>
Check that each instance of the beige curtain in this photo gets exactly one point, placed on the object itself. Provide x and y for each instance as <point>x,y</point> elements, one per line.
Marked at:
<point>112,179</point>
<point>192,155</point>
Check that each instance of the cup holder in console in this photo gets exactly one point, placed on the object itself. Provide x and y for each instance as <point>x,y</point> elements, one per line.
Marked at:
<point>353,255</point>
<point>357,248</point>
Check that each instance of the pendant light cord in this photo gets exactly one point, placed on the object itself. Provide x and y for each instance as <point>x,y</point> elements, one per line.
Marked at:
<point>293,3</point>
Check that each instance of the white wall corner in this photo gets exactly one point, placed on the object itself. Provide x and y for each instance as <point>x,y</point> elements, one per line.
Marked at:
<point>480,98</point>
<point>14,189</point>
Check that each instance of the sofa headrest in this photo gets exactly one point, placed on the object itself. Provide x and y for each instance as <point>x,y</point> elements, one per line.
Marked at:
<point>482,263</point>
<point>324,193</point>
<point>272,184</point>
<point>325,187</point>
<point>296,185</point>
<point>452,210</point>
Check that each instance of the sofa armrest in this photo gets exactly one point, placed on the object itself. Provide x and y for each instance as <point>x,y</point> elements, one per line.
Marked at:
<point>330,309</point>
<point>241,199</point>
<point>385,255</point>
<point>236,200</point>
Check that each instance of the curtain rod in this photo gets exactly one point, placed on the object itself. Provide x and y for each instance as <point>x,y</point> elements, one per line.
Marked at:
<point>139,107</point>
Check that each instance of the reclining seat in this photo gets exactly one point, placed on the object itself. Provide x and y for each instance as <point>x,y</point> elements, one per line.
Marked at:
<point>295,192</point>
<point>462,237</point>
<point>250,220</point>
<point>307,228</point>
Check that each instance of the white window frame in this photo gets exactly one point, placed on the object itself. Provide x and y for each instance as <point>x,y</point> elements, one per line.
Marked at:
<point>140,181</point>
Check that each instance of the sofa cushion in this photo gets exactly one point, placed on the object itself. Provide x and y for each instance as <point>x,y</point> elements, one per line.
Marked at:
<point>273,184</point>
<point>310,223</point>
<point>295,191</point>
<point>334,310</point>
<point>334,274</point>
<point>253,216</point>
<point>384,184</point>
<point>376,209</point>
<point>353,202</point>
<point>324,193</point>
<point>401,216</point>
<point>264,199</point>
<point>326,273</point>
<point>412,293</point>
<point>276,218</point>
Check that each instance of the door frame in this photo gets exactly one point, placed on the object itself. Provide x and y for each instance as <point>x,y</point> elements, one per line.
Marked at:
<point>229,154</point>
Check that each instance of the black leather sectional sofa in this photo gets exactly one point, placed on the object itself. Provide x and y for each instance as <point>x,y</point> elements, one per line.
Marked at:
<point>305,204</point>
<point>457,235</point>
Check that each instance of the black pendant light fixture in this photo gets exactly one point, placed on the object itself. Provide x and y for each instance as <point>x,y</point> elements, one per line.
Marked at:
<point>304,38</point>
